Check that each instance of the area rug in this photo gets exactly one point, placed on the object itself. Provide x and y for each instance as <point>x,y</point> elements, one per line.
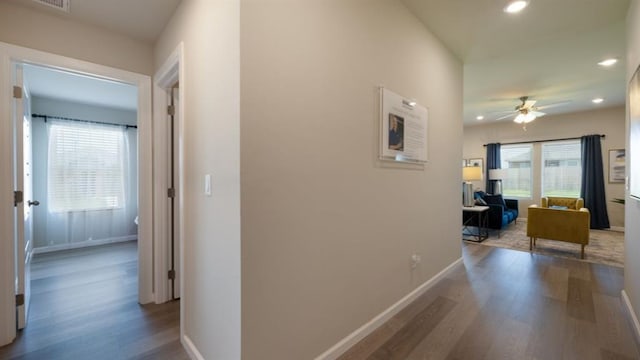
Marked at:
<point>605,246</point>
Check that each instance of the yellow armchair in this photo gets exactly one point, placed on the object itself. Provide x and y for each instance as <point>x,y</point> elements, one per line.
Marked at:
<point>555,224</point>
<point>571,203</point>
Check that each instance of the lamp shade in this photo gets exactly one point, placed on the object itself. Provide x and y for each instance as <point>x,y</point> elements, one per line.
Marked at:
<point>472,173</point>
<point>497,174</point>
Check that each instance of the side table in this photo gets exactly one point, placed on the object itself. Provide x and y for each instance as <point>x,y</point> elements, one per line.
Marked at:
<point>475,228</point>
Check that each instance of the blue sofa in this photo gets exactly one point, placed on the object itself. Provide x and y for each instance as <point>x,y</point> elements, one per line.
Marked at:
<point>502,212</point>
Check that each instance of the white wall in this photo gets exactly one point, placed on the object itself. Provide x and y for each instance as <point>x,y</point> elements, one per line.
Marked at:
<point>608,121</point>
<point>211,143</point>
<point>95,225</point>
<point>632,209</point>
<point>327,229</point>
<point>59,35</point>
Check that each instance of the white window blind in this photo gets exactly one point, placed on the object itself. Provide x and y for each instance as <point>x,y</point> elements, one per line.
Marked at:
<point>516,160</point>
<point>561,168</point>
<point>85,166</point>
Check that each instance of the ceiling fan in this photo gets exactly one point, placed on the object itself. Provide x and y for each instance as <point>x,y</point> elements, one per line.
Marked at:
<point>527,112</point>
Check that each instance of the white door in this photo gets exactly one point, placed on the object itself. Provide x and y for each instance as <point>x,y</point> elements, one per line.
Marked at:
<point>22,185</point>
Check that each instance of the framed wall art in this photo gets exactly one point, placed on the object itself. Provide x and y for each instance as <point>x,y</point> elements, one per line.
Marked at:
<point>403,128</point>
<point>476,162</point>
<point>617,161</point>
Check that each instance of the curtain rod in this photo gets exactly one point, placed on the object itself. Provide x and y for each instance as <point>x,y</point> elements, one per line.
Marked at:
<point>45,117</point>
<point>539,141</point>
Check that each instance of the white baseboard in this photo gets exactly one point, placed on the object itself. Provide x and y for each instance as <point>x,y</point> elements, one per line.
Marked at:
<point>191,349</point>
<point>617,228</point>
<point>82,244</point>
<point>632,316</point>
<point>352,339</point>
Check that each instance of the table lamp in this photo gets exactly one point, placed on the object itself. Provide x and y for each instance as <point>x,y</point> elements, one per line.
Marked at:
<point>469,173</point>
<point>496,175</point>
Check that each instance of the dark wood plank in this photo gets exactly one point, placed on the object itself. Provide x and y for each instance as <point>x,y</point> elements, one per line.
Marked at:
<point>405,340</point>
<point>84,306</point>
<point>507,304</point>
<point>610,355</point>
<point>613,326</point>
<point>580,300</point>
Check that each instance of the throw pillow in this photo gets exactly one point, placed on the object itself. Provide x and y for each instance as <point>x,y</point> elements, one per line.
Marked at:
<point>481,202</point>
<point>495,200</point>
<point>557,207</point>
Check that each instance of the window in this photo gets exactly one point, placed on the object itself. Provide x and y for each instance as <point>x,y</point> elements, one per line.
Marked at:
<point>85,166</point>
<point>516,160</point>
<point>561,171</point>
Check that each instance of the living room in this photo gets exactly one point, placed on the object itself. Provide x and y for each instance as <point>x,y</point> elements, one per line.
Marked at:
<point>607,121</point>
<point>536,90</point>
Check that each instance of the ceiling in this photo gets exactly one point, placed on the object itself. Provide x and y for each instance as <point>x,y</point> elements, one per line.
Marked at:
<point>548,52</point>
<point>143,20</point>
<point>55,84</point>
<point>139,19</point>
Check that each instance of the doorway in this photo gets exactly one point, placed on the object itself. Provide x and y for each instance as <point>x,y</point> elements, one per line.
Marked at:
<point>14,55</point>
<point>83,144</point>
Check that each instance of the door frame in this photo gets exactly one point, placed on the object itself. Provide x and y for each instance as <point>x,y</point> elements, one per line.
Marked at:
<point>10,54</point>
<point>170,73</point>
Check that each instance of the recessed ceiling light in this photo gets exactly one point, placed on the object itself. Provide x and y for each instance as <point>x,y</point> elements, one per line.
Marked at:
<point>479,117</point>
<point>516,6</point>
<point>597,100</point>
<point>608,62</point>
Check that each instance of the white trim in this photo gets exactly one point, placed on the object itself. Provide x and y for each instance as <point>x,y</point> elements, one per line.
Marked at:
<point>83,244</point>
<point>352,339</point>
<point>191,348</point>
<point>617,228</point>
<point>168,74</point>
<point>13,53</point>
<point>635,324</point>
<point>7,248</point>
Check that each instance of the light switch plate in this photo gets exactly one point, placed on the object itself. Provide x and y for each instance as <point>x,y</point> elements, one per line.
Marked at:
<point>207,185</point>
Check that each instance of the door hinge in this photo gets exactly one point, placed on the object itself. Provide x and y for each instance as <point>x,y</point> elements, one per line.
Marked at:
<point>171,192</point>
<point>17,92</point>
<point>171,110</point>
<point>18,197</point>
<point>19,299</point>
<point>172,274</point>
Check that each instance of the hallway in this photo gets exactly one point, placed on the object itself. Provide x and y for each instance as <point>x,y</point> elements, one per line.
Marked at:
<point>84,306</point>
<point>508,304</point>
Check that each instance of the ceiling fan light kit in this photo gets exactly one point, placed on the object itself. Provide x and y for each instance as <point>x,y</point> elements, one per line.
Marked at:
<point>514,7</point>
<point>524,118</point>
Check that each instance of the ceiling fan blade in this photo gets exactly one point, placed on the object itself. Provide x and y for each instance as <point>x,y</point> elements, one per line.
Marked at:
<point>528,104</point>
<point>548,106</point>
<point>506,116</point>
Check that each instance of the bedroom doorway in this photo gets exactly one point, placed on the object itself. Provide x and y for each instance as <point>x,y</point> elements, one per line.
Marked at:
<point>15,60</point>
<point>80,152</point>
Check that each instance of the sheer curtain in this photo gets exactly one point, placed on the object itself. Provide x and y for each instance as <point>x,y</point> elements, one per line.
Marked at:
<point>91,183</point>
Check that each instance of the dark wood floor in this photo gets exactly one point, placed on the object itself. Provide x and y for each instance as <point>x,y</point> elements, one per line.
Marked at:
<point>507,304</point>
<point>84,306</point>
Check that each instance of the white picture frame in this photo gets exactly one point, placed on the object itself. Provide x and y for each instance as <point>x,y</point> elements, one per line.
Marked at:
<point>403,128</point>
